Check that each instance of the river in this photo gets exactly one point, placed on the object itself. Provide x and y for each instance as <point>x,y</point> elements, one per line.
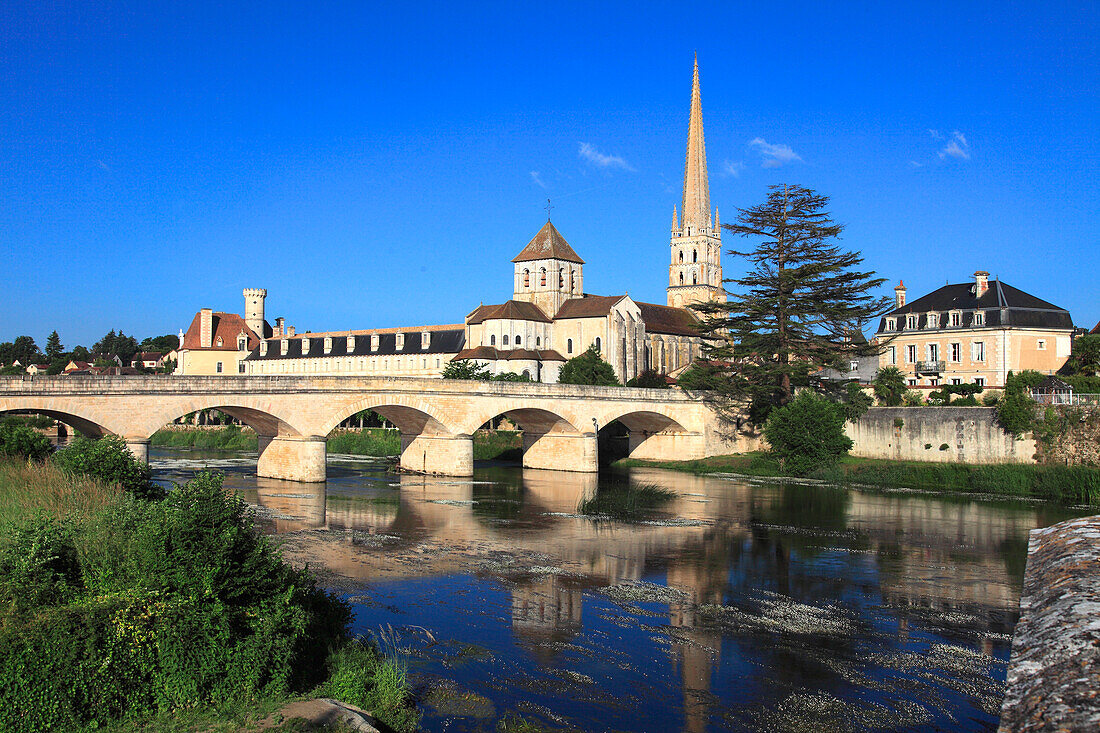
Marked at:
<point>650,600</point>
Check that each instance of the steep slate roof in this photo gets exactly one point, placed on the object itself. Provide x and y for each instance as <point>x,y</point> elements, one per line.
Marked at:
<point>515,310</point>
<point>448,341</point>
<point>491,353</point>
<point>1002,304</point>
<point>223,325</point>
<point>548,244</point>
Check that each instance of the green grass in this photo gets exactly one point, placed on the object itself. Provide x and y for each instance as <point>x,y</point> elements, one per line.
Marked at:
<point>230,437</point>
<point>626,502</point>
<point>505,445</point>
<point>1064,484</point>
<point>28,488</point>
<point>366,442</point>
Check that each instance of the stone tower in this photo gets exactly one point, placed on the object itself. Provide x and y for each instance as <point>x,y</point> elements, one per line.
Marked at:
<point>695,275</point>
<point>254,309</point>
<point>548,272</point>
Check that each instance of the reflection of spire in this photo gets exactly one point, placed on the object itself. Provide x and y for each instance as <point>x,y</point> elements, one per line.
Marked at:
<point>703,584</point>
<point>696,204</point>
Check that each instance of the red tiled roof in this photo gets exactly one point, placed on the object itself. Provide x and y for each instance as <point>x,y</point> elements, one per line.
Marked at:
<point>512,310</point>
<point>589,306</point>
<point>225,326</point>
<point>491,353</point>
<point>548,244</point>
<point>668,320</point>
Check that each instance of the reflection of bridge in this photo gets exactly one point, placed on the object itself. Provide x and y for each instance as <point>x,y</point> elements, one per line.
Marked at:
<point>294,415</point>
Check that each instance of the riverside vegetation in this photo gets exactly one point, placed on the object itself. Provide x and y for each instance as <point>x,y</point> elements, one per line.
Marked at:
<point>123,607</point>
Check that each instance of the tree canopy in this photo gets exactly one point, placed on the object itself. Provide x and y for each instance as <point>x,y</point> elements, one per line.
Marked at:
<point>116,343</point>
<point>588,368</point>
<point>800,305</point>
<point>163,344</point>
<point>466,369</point>
<point>23,349</point>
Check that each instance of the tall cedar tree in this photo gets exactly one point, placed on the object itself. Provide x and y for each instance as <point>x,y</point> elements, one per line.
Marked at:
<point>795,308</point>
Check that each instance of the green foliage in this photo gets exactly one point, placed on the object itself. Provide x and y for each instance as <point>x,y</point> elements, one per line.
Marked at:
<point>1016,409</point>
<point>466,369</point>
<point>22,441</point>
<point>1081,383</point>
<point>366,442</point>
<point>162,344</point>
<point>797,305</point>
<point>117,343</point>
<point>807,433</point>
<point>1085,360</point>
<point>588,368</point>
<point>361,675</point>
<point>23,349</point>
<point>511,377</point>
<point>649,379</point>
<point>231,437</point>
<point>108,459</point>
<point>54,348</point>
<point>899,423</point>
<point>912,398</point>
<point>991,398</point>
<point>706,375</point>
<point>154,606</point>
<point>626,501</point>
<point>889,386</point>
<point>855,402</point>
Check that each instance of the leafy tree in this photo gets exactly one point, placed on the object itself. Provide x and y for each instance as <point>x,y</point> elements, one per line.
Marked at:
<point>80,353</point>
<point>798,303</point>
<point>511,377</point>
<point>588,368</point>
<point>1086,355</point>
<point>889,386</point>
<point>855,401</point>
<point>912,398</point>
<point>163,344</point>
<point>22,349</point>
<point>650,380</point>
<point>117,343</point>
<point>1016,409</point>
<point>466,369</point>
<point>807,433</point>
<point>54,349</point>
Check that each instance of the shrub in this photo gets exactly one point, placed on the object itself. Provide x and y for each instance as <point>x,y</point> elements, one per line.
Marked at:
<point>588,368</point>
<point>855,402</point>
<point>649,379</point>
<point>466,369</point>
<point>1016,409</point>
<point>912,398</point>
<point>889,386</point>
<point>21,441</point>
<point>108,459</point>
<point>361,675</point>
<point>807,433</point>
<point>990,398</point>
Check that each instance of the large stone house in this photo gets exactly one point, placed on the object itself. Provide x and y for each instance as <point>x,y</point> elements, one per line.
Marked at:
<point>973,332</point>
<point>218,343</point>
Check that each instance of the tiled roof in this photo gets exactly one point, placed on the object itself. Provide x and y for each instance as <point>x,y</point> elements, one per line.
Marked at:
<point>1002,305</point>
<point>548,244</point>
<point>1096,328</point>
<point>225,326</point>
<point>514,310</point>
<point>449,341</point>
<point>588,306</point>
<point>668,320</point>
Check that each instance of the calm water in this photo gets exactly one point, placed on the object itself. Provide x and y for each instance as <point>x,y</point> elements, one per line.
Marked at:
<point>723,605</point>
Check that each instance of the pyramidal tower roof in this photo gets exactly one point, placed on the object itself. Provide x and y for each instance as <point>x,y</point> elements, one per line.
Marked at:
<point>695,210</point>
<point>546,245</point>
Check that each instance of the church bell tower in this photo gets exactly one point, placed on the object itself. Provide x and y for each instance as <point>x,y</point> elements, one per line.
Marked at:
<point>695,275</point>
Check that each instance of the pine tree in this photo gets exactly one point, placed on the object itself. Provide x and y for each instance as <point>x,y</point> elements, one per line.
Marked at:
<point>54,349</point>
<point>796,307</point>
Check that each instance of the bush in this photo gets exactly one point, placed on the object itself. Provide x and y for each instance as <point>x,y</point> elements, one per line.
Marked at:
<point>1016,410</point>
<point>20,441</point>
<point>361,675</point>
<point>855,402</point>
<point>889,386</point>
<point>807,433</point>
<point>649,379</point>
<point>990,398</point>
<point>108,459</point>
<point>588,368</point>
<point>912,398</point>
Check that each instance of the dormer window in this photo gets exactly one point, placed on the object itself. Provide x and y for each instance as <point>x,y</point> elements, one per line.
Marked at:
<point>979,318</point>
<point>933,320</point>
<point>305,345</point>
<point>263,348</point>
<point>284,346</point>
<point>242,343</point>
<point>328,344</point>
<point>910,321</point>
<point>374,342</point>
<point>351,344</point>
<point>891,324</point>
<point>400,341</point>
<point>219,341</point>
<point>956,319</point>
<point>425,339</point>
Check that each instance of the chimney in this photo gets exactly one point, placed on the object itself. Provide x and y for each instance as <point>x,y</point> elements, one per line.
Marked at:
<point>899,294</point>
<point>280,326</point>
<point>290,330</point>
<point>206,328</point>
<point>981,283</point>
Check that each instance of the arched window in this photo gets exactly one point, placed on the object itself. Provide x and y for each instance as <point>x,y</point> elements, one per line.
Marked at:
<point>518,341</point>
<point>681,256</point>
<point>526,278</point>
<point>561,277</point>
<point>504,341</point>
<point>493,340</point>
<point>572,281</point>
<point>598,345</point>
<point>542,276</point>
<point>527,373</point>
<point>694,255</point>
<point>538,340</point>
<point>569,346</point>
<point>681,278</point>
<point>694,278</point>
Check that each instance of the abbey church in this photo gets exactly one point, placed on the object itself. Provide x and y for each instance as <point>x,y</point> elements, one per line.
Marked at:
<point>548,320</point>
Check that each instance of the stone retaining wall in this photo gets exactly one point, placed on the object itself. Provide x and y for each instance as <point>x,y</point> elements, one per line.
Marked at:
<point>1054,672</point>
<point>970,434</point>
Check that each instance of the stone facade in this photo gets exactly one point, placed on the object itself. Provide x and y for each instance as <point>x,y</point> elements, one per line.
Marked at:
<point>971,435</point>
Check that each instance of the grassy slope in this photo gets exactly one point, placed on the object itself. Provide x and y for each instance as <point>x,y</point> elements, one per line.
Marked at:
<point>1067,484</point>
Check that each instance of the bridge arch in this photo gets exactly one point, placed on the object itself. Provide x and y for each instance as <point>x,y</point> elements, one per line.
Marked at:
<point>264,420</point>
<point>410,415</point>
<point>551,439</point>
<point>87,426</point>
<point>649,433</point>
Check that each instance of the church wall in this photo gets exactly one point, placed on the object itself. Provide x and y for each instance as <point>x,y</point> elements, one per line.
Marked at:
<point>548,296</point>
<point>401,365</point>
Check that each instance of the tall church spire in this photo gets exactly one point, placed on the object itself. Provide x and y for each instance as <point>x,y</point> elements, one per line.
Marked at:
<point>696,205</point>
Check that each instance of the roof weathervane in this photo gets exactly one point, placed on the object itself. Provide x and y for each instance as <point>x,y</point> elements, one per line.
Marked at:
<point>548,207</point>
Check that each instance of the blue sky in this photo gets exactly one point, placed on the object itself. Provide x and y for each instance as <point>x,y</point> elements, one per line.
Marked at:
<point>379,165</point>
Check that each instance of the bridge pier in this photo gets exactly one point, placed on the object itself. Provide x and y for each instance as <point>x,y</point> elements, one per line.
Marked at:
<point>139,447</point>
<point>450,455</point>
<point>561,452</point>
<point>292,457</point>
<point>666,446</point>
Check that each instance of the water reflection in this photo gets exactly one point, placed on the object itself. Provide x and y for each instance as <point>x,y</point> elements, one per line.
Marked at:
<point>728,605</point>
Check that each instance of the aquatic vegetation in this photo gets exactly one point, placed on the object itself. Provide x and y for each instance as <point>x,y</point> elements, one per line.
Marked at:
<point>626,501</point>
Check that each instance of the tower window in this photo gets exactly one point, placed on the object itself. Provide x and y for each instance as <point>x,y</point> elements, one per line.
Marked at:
<point>694,255</point>
<point>681,256</point>
<point>493,340</point>
<point>561,277</point>
<point>681,278</point>
<point>526,278</point>
<point>572,281</point>
<point>542,276</point>
<point>598,346</point>
<point>569,346</point>
<point>694,278</point>
<point>517,341</point>
<point>538,340</point>
<point>504,340</point>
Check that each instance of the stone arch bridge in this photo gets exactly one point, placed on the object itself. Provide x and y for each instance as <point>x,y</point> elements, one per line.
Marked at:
<point>293,416</point>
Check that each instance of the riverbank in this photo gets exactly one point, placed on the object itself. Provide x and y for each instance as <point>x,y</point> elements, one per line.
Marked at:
<point>488,444</point>
<point>1063,484</point>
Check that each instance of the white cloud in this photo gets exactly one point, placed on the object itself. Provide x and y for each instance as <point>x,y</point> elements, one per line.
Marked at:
<point>773,155</point>
<point>103,165</point>
<point>958,147</point>
<point>733,168</point>
<point>537,180</point>
<point>915,164</point>
<point>935,134</point>
<point>607,162</point>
